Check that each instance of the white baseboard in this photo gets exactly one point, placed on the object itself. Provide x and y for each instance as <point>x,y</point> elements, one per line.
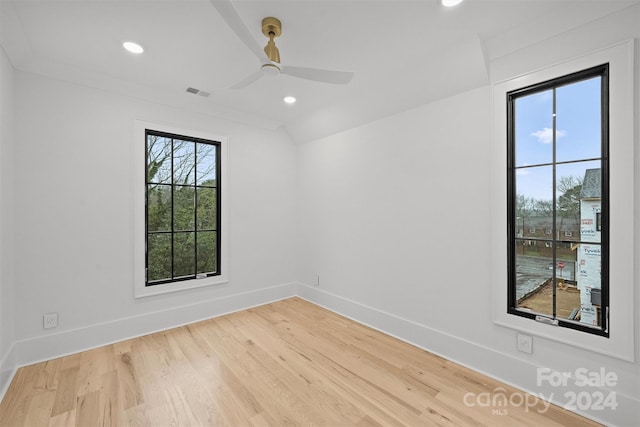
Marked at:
<point>51,346</point>
<point>505,368</point>
<point>8,369</point>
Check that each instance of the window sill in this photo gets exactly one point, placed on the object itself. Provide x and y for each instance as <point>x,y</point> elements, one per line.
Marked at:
<point>142,291</point>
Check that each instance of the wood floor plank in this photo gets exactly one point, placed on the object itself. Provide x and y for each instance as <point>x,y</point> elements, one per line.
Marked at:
<point>285,363</point>
<point>112,408</point>
<point>47,379</point>
<point>88,410</point>
<point>92,365</point>
<point>71,361</point>
<point>66,419</point>
<point>66,394</point>
<point>39,411</point>
<point>128,381</point>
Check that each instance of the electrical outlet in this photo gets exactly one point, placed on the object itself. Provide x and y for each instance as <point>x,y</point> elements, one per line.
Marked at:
<point>50,320</point>
<point>316,280</point>
<point>525,343</point>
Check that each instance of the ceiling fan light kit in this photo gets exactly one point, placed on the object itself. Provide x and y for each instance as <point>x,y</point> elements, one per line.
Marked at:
<point>451,3</point>
<point>270,69</point>
<point>133,47</point>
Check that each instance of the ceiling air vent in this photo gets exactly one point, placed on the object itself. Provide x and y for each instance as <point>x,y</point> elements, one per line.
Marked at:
<point>195,91</point>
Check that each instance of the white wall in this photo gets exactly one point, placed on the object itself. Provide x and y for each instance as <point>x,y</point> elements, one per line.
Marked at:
<point>74,233</point>
<point>393,212</point>
<point>395,217</point>
<point>6,230</point>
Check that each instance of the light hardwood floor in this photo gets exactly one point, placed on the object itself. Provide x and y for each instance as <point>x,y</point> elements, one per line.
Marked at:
<point>286,363</point>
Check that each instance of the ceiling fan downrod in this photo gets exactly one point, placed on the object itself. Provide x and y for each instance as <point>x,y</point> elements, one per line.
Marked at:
<point>272,28</point>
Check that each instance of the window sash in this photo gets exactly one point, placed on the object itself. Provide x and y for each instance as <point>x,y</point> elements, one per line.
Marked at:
<point>195,230</point>
<point>514,239</point>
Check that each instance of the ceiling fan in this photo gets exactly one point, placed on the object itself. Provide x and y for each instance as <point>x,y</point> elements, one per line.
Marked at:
<point>270,56</point>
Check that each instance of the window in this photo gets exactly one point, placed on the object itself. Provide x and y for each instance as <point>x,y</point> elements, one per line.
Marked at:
<point>617,223</point>
<point>182,208</point>
<point>180,238</point>
<point>557,145</point>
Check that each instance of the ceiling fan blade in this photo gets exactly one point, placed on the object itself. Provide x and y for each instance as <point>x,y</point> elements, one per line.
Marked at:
<point>325,76</point>
<point>248,80</point>
<point>232,18</point>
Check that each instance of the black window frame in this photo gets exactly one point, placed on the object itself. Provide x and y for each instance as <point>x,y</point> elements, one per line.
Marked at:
<point>511,96</point>
<point>195,230</point>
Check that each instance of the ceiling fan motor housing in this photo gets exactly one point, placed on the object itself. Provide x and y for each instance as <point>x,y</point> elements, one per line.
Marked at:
<point>270,69</point>
<point>271,25</point>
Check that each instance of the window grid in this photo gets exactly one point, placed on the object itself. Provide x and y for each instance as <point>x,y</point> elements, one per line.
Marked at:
<point>555,240</point>
<point>172,187</point>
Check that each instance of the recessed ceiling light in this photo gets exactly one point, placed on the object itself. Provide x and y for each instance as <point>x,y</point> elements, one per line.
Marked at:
<point>133,47</point>
<point>451,3</point>
<point>290,99</point>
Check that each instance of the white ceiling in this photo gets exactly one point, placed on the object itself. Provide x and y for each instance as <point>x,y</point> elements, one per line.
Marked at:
<point>403,53</point>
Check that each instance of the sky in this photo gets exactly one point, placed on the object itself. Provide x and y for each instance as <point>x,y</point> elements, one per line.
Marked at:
<point>577,135</point>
